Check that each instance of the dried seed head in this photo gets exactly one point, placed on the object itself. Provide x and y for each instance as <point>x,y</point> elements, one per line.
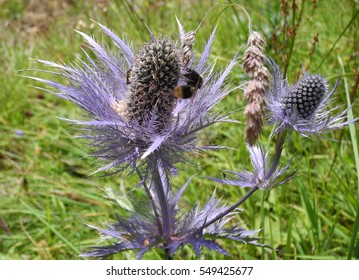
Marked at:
<point>304,97</point>
<point>253,64</point>
<point>186,48</point>
<point>252,59</point>
<point>256,39</point>
<point>152,79</point>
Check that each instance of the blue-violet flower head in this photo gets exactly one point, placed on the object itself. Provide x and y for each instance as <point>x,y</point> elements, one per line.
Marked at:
<point>303,106</point>
<point>133,115</point>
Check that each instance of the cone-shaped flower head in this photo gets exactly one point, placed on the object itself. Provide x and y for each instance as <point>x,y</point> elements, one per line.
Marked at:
<point>305,105</point>
<point>303,98</point>
<point>133,115</point>
<point>152,79</point>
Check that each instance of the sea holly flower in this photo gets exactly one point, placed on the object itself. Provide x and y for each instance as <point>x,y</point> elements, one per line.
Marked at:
<point>148,107</point>
<point>133,116</point>
<point>305,105</point>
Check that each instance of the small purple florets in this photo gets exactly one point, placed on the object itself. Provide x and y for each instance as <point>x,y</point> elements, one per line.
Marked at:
<point>304,97</point>
<point>152,79</point>
<point>304,106</point>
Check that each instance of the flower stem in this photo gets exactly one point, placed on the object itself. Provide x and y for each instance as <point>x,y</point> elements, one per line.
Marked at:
<point>279,148</point>
<point>278,152</point>
<point>160,184</point>
<point>168,255</point>
<point>150,197</point>
<point>232,208</point>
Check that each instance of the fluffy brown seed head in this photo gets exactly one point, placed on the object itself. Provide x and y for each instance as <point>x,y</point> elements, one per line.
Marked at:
<point>252,59</point>
<point>152,79</point>
<point>256,40</point>
<point>255,93</point>
<point>186,48</point>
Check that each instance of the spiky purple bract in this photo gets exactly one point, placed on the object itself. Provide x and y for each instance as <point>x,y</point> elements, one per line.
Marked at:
<point>265,174</point>
<point>141,232</point>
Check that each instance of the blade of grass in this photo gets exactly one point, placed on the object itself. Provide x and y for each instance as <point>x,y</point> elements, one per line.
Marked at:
<point>262,221</point>
<point>35,213</point>
<point>352,125</point>
<point>356,157</point>
<point>134,17</point>
<point>272,243</point>
<point>289,237</point>
<point>335,43</point>
<point>311,211</point>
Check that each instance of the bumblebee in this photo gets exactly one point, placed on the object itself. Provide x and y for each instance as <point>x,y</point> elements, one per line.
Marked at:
<point>192,82</point>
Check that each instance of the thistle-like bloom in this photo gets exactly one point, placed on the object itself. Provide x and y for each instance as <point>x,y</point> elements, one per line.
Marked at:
<point>304,106</point>
<point>265,174</point>
<point>133,116</point>
<point>200,228</point>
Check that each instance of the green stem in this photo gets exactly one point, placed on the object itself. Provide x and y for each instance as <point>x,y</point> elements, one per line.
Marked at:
<point>278,152</point>
<point>354,235</point>
<point>335,43</point>
<point>294,30</point>
<point>232,208</point>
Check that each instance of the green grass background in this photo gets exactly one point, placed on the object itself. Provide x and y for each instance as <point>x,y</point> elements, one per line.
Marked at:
<point>46,195</point>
